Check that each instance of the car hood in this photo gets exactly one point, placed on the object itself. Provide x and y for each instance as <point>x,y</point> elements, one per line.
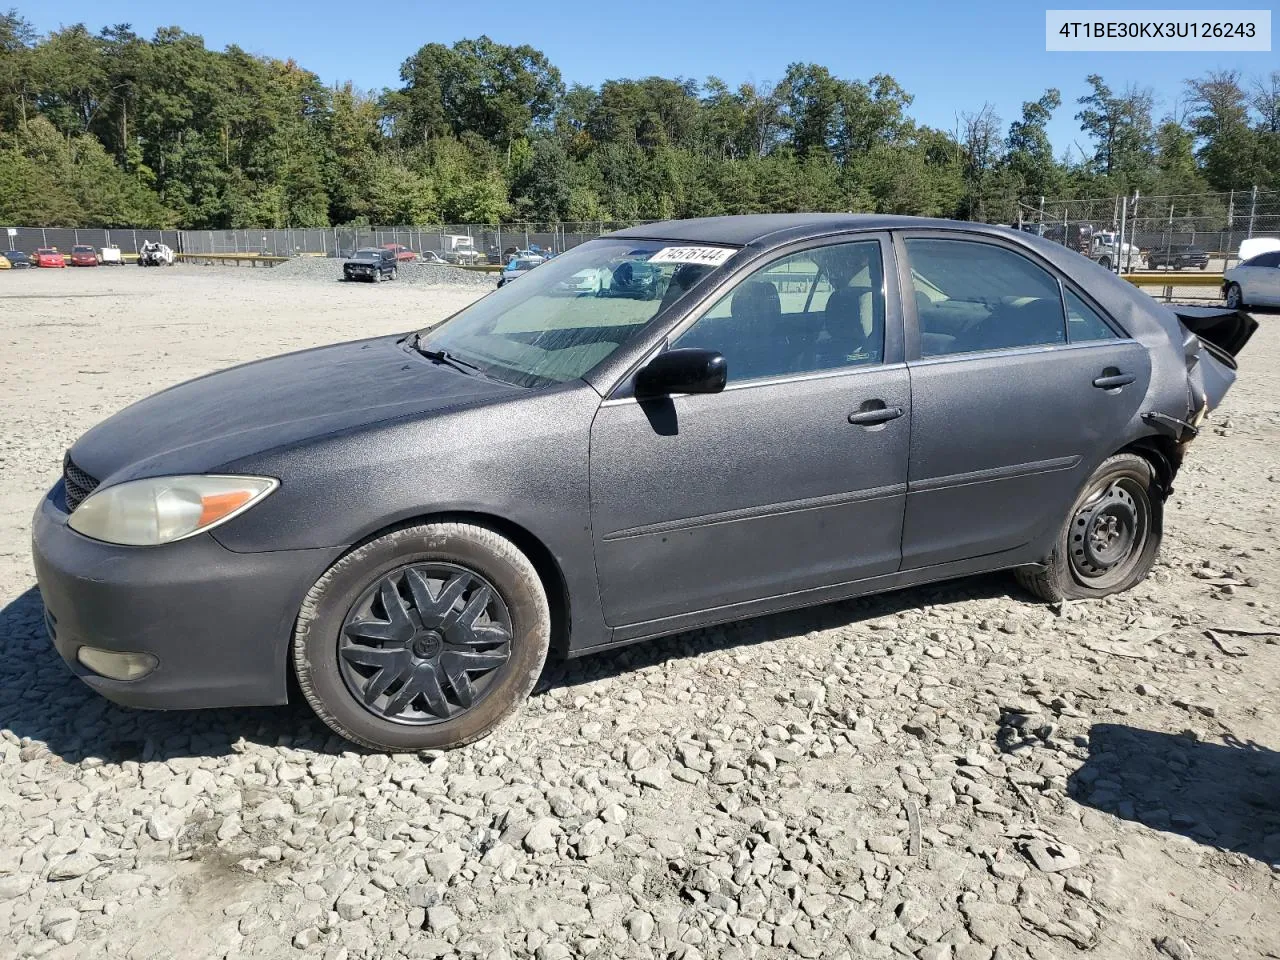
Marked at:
<point>201,425</point>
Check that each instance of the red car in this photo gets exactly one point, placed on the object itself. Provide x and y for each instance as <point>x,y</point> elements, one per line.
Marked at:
<point>402,252</point>
<point>49,257</point>
<point>83,255</point>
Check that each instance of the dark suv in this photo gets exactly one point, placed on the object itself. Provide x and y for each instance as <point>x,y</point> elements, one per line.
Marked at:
<point>372,264</point>
<point>1178,257</point>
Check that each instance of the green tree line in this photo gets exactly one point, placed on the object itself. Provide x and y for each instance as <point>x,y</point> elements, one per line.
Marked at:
<point>113,129</point>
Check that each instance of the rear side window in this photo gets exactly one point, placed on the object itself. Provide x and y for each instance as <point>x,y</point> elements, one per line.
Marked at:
<point>1084,323</point>
<point>977,296</point>
<point>1271,259</point>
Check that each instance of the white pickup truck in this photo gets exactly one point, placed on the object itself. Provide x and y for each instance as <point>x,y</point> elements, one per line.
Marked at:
<point>1104,251</point>
<point>459,248</point>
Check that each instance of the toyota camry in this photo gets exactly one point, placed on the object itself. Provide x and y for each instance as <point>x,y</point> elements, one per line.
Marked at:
<point>809,407</point>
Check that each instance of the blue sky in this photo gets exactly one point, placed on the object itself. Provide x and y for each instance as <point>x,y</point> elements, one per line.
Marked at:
<point>951,56</point>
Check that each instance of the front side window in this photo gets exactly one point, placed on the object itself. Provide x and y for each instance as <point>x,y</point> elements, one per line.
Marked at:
<point>822,309</point>
<point>574,310</point>
<point>976,296</point>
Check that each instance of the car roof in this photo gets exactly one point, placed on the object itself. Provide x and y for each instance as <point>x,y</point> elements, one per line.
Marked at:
<point>775,229</point>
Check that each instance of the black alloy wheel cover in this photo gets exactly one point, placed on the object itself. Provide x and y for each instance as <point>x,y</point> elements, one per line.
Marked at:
<point>424,643</point>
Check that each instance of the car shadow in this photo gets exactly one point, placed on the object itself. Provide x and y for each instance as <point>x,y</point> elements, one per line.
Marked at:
<point>46,707</point>
<point>1224,794</point>
<point>777,626</point>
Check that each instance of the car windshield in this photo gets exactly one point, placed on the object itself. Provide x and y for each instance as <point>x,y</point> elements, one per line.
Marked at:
<point>47,250</point>
<point>368,254</point>
<point>555,324</point>
<point>82,249</point>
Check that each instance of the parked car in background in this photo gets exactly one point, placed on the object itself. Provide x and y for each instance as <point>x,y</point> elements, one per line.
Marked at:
<point>111,257</point>
<point>83,255</point>
<point>1254,283</point>
<point>584,283</point>
<point>402,253</point>
<point>517,268</point>
<point>16,258</point>
<point>372,263</point>
<point>1253,246</point>
<point>153,253</point>
<point>410,524</point>
<point>1178,256</point>
<point>636,279</point>
<point>430,256</point>
<point>5,264</point>
<point>50,257</point>
<point>459,248</point>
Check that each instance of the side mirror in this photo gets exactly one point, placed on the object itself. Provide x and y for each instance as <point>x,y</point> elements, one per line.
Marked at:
<point>684,370</point>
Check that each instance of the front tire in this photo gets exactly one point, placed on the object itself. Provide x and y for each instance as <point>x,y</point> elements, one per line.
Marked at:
<point>1111,536</point>
<point>1234,296</point>
<point>427,637</point>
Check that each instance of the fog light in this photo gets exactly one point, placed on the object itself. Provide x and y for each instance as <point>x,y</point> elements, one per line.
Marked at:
<point>115,665</point>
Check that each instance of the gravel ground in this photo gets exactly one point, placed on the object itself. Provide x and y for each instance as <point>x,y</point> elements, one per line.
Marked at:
<point>951,773</point>
<point>418,274</point>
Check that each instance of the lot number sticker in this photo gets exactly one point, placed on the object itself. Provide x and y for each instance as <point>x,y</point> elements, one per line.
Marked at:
<point>708,256</point>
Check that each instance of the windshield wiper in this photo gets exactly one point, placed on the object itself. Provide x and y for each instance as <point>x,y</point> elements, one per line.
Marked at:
<point>444,356</point>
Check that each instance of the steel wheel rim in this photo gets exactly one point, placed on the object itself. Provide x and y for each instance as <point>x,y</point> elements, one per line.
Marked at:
<point>1109,533</point>
<point>424,643</point>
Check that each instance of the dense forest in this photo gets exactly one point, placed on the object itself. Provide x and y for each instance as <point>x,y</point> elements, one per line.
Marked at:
<point>113,129</point>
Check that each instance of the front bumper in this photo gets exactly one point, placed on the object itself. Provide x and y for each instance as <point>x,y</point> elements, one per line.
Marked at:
<point>218,622</point>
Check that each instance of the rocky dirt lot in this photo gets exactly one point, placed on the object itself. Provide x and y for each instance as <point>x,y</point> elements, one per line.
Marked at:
<point>947,772</point>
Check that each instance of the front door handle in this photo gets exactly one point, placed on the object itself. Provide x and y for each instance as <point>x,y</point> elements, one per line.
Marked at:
<point>1112,378</point>
<point>869,416</point>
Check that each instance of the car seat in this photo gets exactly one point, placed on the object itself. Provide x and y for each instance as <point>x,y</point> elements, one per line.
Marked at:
<point>758,347</point>
<point>1020,323</point>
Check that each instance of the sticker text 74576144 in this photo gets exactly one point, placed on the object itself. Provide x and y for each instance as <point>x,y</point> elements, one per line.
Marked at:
<point>707,256</point>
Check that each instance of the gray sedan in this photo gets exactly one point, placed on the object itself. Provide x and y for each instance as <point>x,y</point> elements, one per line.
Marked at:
<point>811,407</point>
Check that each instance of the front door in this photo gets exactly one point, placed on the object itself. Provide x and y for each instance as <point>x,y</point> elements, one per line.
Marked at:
<point>1018,387</point>
<point>793,478</point>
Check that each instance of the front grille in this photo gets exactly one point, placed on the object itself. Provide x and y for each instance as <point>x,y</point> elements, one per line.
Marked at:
<point>78,484</point>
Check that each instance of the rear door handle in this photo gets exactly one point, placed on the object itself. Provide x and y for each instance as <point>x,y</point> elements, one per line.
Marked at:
<point>1109,381</point>
<point>874,415</point>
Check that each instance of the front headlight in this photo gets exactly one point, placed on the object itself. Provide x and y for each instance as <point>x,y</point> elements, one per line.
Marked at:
<point>163,509</point>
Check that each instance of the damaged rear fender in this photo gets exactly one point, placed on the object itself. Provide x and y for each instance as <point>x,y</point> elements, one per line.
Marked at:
<point>1214,337</point>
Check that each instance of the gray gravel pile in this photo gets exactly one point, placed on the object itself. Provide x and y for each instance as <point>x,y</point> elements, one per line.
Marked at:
<point>971,780</point>
<point>423,274</point>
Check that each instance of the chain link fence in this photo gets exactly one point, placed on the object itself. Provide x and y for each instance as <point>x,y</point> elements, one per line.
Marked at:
<point>1197,231</point>
<point>464,242</point>
<point>1122,233</point>
<point>30,239</point>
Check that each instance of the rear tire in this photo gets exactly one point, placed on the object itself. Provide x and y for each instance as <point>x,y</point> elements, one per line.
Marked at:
<point>1110,538</point>
<point>468,628</point>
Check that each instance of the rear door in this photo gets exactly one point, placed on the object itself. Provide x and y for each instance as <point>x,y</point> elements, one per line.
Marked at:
<point>791,479</point>
<point>1019,385</point>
